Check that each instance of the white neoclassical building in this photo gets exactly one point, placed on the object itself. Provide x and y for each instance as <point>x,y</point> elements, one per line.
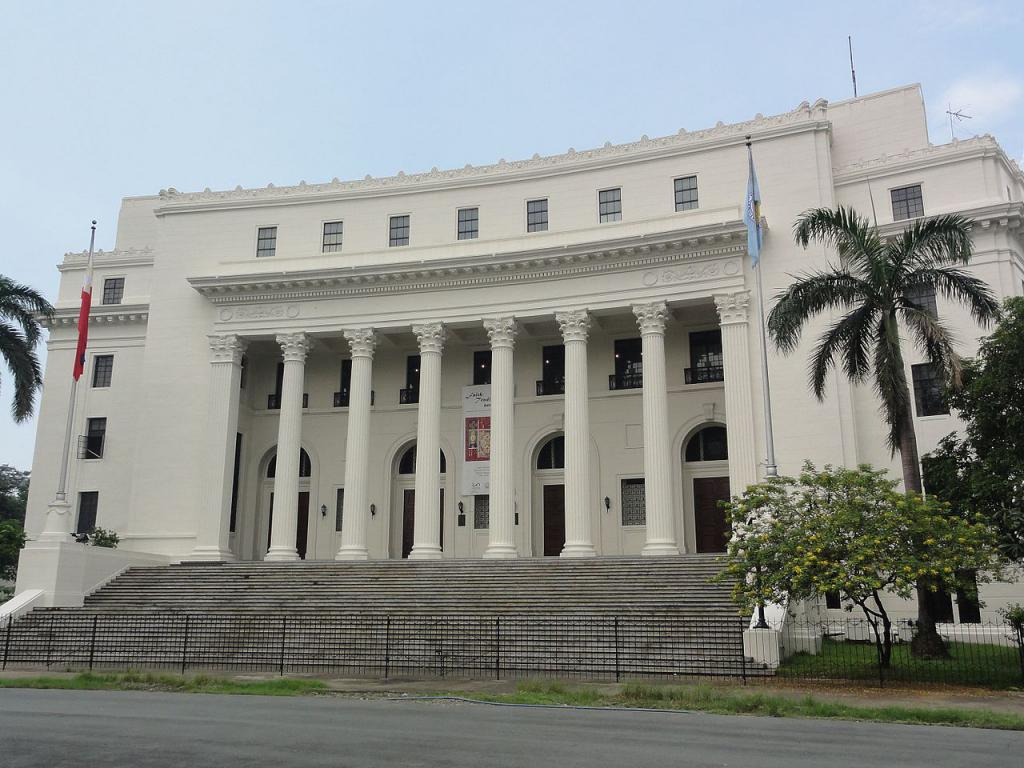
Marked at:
<point>551,356</point>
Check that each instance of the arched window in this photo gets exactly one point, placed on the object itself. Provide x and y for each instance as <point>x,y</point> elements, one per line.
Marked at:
<point>407,464</point>
<point>305,465</point>
<point>552,454</point>
<point>708,445</point>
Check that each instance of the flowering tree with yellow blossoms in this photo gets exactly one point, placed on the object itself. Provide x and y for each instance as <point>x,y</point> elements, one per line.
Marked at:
<point>850,531</point>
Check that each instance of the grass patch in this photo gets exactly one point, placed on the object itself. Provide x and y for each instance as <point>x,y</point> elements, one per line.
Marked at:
<point>717,700</point>
<point>141,681</point>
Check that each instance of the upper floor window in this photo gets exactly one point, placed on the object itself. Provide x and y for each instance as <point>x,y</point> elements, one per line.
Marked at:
<point>88,505</point>
<point>537,215</point>
<point>552,380</point>
<point>923,297</point>
<point>609,204</point>
<point>705,357</point>
<point>552,454</point>
<point>333,231</point>
<point>95,434</point>
<point>266,241</point>
<point>929,396</point>
<point>398,231</point>
<point>113,290</point>
<point>341,397</point>
<point>469,223</point>
<point>907,203</point>
<point>274,398</point>
<point>710,444</point>
<point>411,393</point>
<point>686,193</point>
<point>102,370</point>
<point>629,365</point>
<point>633,501</point>
<point>482,367</point>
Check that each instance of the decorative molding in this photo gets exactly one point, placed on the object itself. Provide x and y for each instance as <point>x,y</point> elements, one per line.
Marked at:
<point>431,337</point>
<point>103,314</point>
<point>294,346</point>
<point>692,273</point>
<point>227,348</point>
<point>651,317</point>
<point>732,307</point>
<point>930,155</point>
<point>501,331</point>
<point>574,324</point>
<point>260,312</point>
<point>361,341</point>
<point>127,257</point>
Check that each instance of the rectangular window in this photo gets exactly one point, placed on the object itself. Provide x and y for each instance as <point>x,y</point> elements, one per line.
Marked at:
<point>274,399</point>
<point>113,290</point>
<point>341,397</point>
<point>102,370</point>
<point>243,372</point>
<point>686,193</point>
<point>234,482</point>
<point>469,223</point>
<point>266,241</point>
<point>610,204</point>
<point>398,231</point>
<point>907,203</point>
<point>95,435</point>
<point>537,215</point>
<point>629,365</point>
<point>705,358</point>
<point>634,503</point>
<point>411,393</point>
<point>333,231</point>
<point>833,601</point>
<point>88,504</point>
<point>482,367</point>
<point>552,371</point>
<point>923,297</point>
<point>481,512</point>
<point>339,509</point>
<point>929,396</point>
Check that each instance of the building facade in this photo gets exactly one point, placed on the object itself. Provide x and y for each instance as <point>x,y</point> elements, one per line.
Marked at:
<point>600,302</point>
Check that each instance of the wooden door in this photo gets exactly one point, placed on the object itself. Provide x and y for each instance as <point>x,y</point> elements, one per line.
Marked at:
<point>270,521</point>
<point>554,520</point>
<point>302,527</point>
<point>710,522</point>
<point>440,538</point>
<point>408,520</point>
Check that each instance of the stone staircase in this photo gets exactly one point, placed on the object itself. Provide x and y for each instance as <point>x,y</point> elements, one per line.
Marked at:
<point>600,617</point>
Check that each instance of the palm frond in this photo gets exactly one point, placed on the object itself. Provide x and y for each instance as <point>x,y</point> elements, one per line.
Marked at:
<point>931,242</point>
<point>24,366</point>
<point>849,338</point>
<point>937,343</point>
<point>958,285</point>
<point>891,379</point>
<point>850,234</point>
<point>809,295</point>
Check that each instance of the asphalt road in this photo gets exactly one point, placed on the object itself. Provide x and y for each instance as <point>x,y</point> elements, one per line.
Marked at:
<point>99,728</point>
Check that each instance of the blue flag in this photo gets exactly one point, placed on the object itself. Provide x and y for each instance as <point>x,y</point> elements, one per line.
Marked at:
<point>752,213</point>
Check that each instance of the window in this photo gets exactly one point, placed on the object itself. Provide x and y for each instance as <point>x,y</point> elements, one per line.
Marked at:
<point>102,370</point>
<point>339,509</point>
<point>398,231</point>
<point>411,393</point>
<point>274,399</point>
<point>234,481</point>
<point>407,464</point>
<point>634,505</point>
<point>923,297</point>
<point>95,433</point>
<point>705,357</point>
<point>243,372</point>
<point>833,601</point>
<point>552,371</point>
<point>709,444</point>
<point>333,231</point>
<point>929,396</point>
<point>113,290</point>
<point>537,215</point>
<point>469,223</point>
<point>552,454</point>
<point>686,193</point>
<point>88,503</point>
<point>481,512</point>
<point>967,599</point>
<point>907,203</point>
<point>305,465</point>
<point>629,365</point>
<point>266,241</point>
<point>341,397</point>
<point>610,204</point>
<point>482,367</point>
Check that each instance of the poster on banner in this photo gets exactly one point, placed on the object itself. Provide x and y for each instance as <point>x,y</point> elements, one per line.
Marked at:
<point>476,440</point>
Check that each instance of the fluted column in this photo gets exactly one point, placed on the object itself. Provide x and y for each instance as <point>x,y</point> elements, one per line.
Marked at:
<point>660,520</point>
<point>361,341</point>
<point>427,528</point>
<point>575,325</point>
<point>294,347</point>
<point>502,333</point>
<point>219,464</point>
<point>739,412</point>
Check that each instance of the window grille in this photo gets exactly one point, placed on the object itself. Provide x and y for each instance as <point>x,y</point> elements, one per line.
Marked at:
<point>481,512</point>
<point>634,502</point>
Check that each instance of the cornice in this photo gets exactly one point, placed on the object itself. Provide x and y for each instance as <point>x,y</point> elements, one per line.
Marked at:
<point>119,314</point>
<point>937,154</point>
<point>129,257</point>
<point>1006,215</point>
<point>699,243</point>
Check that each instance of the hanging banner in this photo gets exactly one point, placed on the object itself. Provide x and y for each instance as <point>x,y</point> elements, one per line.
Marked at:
<point>476,440</point>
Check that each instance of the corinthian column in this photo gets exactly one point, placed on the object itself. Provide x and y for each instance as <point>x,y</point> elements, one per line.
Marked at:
<point>575,325</point>
<point>361,341</point>
<point>739,412</point>
<point>219,464</point>
<point>502,333</point>
<point>294,347</point>
<point>661,528</point>
<point>427,521</point>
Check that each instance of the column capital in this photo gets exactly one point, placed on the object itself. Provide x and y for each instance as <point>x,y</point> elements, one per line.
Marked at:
<point>574,324</point>
<point>732,307</point>
<point>227,348</point>
<point>294,346</point>
<point>651,317</point>
<point>501,331</point>
<point>361,341</point>
<point>431,337</point>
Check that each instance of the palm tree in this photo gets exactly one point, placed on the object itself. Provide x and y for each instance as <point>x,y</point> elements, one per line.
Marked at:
<point>21,309</point>
<point>876,286</point>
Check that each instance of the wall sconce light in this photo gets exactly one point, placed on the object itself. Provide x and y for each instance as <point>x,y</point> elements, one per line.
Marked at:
<point>323,510</point>
<point>607,504</point>
<point>373,510</point>
<point>462,515</point>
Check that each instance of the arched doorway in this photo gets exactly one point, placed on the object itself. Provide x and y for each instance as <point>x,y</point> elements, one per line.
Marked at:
<point>549,497</point>
<point>403,512</point>
<point>268,475</point>
<point>706,484</point>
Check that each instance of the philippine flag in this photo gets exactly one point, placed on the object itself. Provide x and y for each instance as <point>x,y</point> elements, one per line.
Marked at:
<point>83,320</point>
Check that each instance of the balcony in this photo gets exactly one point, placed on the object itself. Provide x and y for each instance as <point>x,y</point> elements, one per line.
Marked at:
<point>625,381</point>
<point>552,387</point>
<point>704,375</point>
<point>274,401</point>
<point>341,399</point>
<point>408,396</point>
<point>90,446</point>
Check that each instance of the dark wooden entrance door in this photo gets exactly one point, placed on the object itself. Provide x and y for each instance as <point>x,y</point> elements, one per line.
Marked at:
<point>712,528</point>
<point>409,521</point>
<point>301,529</point>
<point>554,520</point>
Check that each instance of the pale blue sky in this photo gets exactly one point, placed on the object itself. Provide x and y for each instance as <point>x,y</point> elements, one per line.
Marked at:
<point>107,99</point>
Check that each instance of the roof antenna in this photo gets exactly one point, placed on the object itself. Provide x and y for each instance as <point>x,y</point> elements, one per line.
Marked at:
<point>853,72</point>
<point>960,117</point>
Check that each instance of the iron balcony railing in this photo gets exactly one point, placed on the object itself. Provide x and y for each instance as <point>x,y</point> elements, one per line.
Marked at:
<point>341,399</point>
<point>625,381</point>
<point>274,401</point>
<point>704,374</point>
<point>550,387</point>
<point>408,396</point>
